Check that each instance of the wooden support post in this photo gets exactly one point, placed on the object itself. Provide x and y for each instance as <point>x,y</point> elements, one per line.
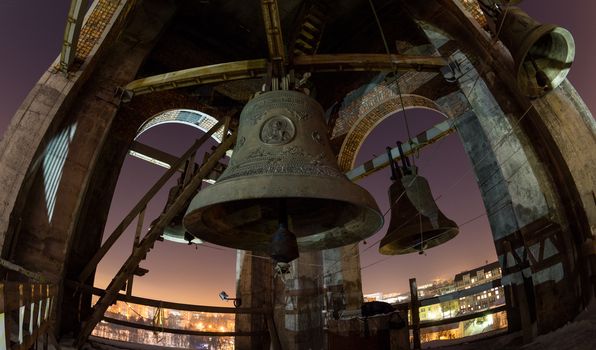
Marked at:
<point>273,32</point>
<point>189,169</point>
<point>275,343</point>
<point>147,242</point>
<point>415,310</point>
<point>92,264</point>
<point>134,244</point>
<point>4,318</point>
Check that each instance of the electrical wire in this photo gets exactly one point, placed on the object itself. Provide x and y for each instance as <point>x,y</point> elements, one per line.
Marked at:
<point>401,99</point>
<point>498,145</point>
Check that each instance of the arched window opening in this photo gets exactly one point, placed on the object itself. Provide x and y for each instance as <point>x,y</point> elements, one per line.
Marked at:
<point>449,172</point>
<point>194,264</point>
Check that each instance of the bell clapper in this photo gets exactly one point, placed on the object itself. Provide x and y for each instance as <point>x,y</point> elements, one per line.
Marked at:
<point>541,78</point>
<point>284,247</point>
<point>406,166</point>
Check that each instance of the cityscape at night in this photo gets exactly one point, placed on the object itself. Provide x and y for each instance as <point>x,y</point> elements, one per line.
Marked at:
<point>485,300</point>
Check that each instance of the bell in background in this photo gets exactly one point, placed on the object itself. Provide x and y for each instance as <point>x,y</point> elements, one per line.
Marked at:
<point>542,53</point>
<point>283,162</point>
<point>175,231</point>
<point>416,222</point>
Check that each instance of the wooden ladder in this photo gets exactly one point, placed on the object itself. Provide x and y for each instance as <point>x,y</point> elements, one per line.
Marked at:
<point>146,244</point>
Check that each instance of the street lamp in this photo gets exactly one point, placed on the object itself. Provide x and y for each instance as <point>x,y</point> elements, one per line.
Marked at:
<point>224,296</point>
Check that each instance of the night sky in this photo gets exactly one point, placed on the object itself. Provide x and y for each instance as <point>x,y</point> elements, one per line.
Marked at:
<point>30,35</point>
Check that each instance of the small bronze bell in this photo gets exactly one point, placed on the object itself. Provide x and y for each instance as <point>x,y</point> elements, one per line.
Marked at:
<point>282,152</point>
<point>543,53</point>
<point>174,231</point>
<point>416,222</point>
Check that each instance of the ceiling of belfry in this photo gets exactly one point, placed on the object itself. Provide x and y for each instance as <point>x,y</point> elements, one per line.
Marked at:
<point>209,32</point>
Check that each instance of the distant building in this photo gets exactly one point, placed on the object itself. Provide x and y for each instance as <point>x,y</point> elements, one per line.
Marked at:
<point>487,299</point>
<point>479,275</point>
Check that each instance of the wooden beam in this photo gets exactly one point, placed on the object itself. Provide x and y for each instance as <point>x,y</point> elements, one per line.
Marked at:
<point>223,72</point>
<point>92,264</point>
<point>170,305</point>
<point>147,242</point>
<point>153,155</point>
<point>181,331</point>
<point>421,140</point>
<point>17,268</point>
<point>461,293</point>
<point>215,73</point>
<point>74,22</point>
<point>415,312</point>
<point>272,23</point>
<point>135,242</point>
<point>367,62</point>
<point>457,319</point>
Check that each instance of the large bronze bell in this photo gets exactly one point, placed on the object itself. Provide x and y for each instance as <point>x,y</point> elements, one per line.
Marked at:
<point>282,161</point>
<point>543,53</point>
<point>416,222</point>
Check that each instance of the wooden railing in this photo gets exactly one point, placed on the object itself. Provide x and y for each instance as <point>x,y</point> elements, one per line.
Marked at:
<point>414,307</point>
<point>25,314</point>
<point>266,313</point>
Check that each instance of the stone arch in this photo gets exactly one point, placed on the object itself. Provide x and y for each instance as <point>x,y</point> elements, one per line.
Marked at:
<point>190,117</point>
<point>364,116</point>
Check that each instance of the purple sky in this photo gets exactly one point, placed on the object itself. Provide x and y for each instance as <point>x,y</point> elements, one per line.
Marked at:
<point>31,33</point>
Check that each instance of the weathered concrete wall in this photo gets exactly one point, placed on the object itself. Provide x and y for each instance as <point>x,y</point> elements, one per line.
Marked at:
<point>540,237</point>
<point>526,181</point>
<point>255,288</point>
<point>46,230</point>
<point>69,134</point>
<point>41,114</point>
<point>298,303</point>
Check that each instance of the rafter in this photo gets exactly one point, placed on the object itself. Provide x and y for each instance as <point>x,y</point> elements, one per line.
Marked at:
<point>422,140</point>
<point>223,72</point>
<point>367,62</point>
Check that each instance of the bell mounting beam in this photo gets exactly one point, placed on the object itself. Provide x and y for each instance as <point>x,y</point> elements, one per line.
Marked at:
<point>74,22</point>
<point>352,62</point>
<point>92,264</point>
<point>249,69</point>
<point>422,140</point>
<point>153,155</point>
<point>275,42</point>
<point>140,251</point>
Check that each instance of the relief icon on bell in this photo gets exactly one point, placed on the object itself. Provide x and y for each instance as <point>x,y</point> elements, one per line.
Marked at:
<point>285,158</point>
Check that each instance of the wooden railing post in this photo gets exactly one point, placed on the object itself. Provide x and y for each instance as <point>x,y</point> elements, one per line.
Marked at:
<point>135,243</point>
<point>25,303</point>
<point>415,310</point>
<point>4,318</point>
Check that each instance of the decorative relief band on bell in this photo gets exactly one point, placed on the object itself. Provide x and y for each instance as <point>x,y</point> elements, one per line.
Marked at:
<point>290,161</point>
<point>277,130</point>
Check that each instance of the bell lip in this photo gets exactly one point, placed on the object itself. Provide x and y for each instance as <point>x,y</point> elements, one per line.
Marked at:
<point>252,186</point>
<point>519,59</point>
<point>432,242</point>
<point>176,237</point>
